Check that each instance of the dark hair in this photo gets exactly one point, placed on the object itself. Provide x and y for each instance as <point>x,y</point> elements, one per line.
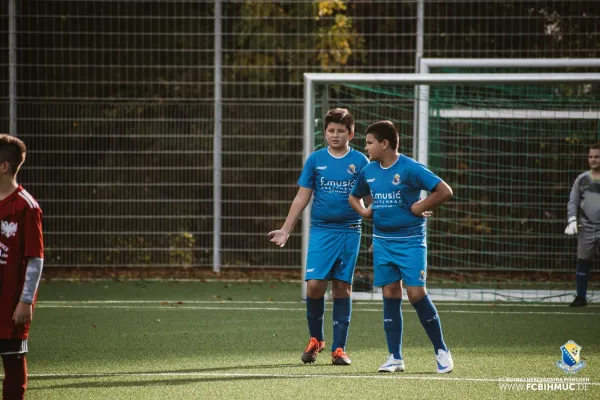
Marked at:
<point>339,116</point>
<point>12,150</point>
<point>384,130</point>
<point>595,146</point>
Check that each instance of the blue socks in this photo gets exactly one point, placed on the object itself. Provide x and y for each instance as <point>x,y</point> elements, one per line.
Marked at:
<point>392,325</point>
<point>582,275</point>
<point>431,322</point>
<point>315,311</point>
<point>342,308</point>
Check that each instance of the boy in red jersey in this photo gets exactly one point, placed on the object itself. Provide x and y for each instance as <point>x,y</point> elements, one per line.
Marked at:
<point>21,262</point>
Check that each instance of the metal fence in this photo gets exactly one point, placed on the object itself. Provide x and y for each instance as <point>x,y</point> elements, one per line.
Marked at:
<point>116,101</point>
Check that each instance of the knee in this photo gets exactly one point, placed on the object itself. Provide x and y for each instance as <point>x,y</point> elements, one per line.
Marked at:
<point>341,289</point>
<point>415,293</point>
<point>316,289</point>
<point>393,290</point>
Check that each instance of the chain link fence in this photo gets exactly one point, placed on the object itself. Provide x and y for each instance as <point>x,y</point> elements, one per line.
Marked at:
<point>115,100</point>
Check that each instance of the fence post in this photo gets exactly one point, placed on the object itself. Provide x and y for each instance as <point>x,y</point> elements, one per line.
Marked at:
<point>12,67</point>
<point>217,144</point>
<point>418,55</point>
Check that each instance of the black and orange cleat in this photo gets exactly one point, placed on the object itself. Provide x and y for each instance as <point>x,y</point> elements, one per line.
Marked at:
<point>310,353</point>
<point>339,357</point>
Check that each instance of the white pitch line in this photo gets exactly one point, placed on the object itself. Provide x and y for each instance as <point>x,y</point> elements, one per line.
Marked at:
<point>293,376</point>
<point>359,303</point>
<point>206,308</point>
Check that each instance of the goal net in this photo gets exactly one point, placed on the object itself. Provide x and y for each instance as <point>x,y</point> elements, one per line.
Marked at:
<point>509,145</point>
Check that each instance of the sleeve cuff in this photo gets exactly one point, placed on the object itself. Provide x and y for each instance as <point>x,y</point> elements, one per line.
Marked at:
<point>571,219</point>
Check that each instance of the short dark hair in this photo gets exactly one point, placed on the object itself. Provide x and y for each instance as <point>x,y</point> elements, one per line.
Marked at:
<point>12,150</point>
<point>340,116</point>
<point>384,130</point>
<point>595,146</point>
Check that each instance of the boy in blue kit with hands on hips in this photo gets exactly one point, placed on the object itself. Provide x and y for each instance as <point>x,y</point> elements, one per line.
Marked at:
<point>335,229</point>
<point>394,182</point>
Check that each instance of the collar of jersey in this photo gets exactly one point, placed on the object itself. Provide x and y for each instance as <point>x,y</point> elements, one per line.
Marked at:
<point>338,158</point>
<point>399,156</point>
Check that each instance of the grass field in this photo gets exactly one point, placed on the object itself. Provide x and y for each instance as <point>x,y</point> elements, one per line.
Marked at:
<point>152,340</point>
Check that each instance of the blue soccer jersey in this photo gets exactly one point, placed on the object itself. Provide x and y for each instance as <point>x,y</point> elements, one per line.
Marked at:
<point>331,179</point>
<point>394,190</point>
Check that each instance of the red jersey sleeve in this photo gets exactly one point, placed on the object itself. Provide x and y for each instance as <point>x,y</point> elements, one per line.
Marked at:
<point>34,240</point>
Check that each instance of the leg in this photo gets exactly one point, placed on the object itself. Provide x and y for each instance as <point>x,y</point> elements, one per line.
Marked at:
<point>392,325</point>
<point>322,255</point>
<point>342,310</point>
<point>430,320</point>
<point>315,312</point>
<point>15,376</point>
<point>388,276</point>
<point>392,318</point>
<point>582,274</point>
<point>341,288</point>
<point>428,315</point>
<point>315,307</point>
<point>586,249</point>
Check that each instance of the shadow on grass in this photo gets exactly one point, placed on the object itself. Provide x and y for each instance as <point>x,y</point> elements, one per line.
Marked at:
<point>160,382</point>
<point>177,378</point>
<point>101,375</point>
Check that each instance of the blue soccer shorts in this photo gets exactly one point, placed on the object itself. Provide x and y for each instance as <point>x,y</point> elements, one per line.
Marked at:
<point>332,255</point>
<point>402,258</point>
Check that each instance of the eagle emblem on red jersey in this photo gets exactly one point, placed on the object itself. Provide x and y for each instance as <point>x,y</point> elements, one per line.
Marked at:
<point>8,229</point>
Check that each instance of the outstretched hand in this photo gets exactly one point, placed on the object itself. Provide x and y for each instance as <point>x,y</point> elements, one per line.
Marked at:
<point>279,237</point>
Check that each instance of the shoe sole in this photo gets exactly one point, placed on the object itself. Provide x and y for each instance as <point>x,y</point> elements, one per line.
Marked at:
<point>445,371</point>
<point>309,359</point>
<point>394,369</point>
<point>335,362</point>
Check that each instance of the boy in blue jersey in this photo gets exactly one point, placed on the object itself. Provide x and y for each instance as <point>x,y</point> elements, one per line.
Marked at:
<point>335,229</point>
<point>394,182</point>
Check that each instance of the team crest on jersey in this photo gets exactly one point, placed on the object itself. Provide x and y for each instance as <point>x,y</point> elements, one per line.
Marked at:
<point>571,355</point>
<point>352,169</point>
<point>396,180</point>
<point>423,276</point>
<point>8,229</point>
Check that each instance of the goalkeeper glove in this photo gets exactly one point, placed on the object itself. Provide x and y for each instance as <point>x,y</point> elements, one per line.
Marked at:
<point>572,227</point>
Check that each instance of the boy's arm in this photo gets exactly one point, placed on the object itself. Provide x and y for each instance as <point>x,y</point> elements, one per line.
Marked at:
<point>280,236</point>
<point>33,274</point>
<point>357,204</point>
<point>34,251</point>
<point>572,208</point>
<point>574,200</point>
<point>439,195</point>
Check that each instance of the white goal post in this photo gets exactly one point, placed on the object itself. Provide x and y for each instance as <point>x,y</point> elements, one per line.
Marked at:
<point>423,80</point>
